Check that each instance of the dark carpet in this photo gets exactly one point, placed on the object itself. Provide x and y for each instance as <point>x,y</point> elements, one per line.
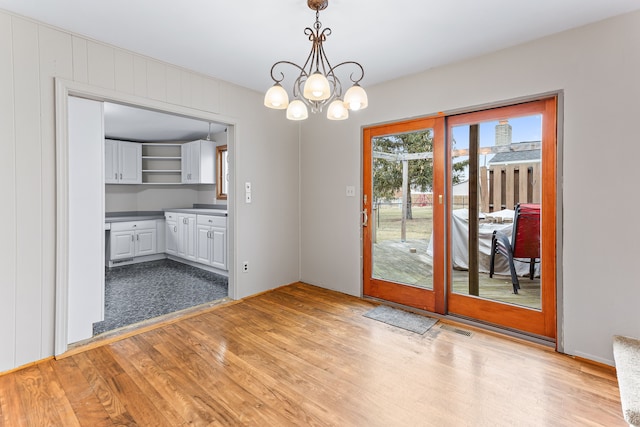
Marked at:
<point>138,292</point>
<point>401,319</point>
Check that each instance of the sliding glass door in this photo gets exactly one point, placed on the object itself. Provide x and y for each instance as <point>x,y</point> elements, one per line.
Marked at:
<point>465,225</point>
<point>401,213</point>
<point>501,216</point>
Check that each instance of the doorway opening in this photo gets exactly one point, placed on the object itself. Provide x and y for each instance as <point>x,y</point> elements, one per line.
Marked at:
<point>146,155</point>
<point>81,244</point>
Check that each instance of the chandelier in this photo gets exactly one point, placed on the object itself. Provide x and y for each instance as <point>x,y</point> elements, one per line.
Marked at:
<point>317,85</point>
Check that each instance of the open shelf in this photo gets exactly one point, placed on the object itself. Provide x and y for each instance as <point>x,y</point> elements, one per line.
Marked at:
<point>161,163</point>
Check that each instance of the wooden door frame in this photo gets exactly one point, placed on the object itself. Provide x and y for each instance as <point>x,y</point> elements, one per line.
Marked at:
<point>424,299</point>
<point>539,322</point>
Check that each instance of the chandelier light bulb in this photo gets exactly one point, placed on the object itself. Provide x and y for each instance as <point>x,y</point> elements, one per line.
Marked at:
<point>276,97</point>
<point>356,98</point>
<point>317,88</point>
<point>297,110</point>
<point>337,110</point>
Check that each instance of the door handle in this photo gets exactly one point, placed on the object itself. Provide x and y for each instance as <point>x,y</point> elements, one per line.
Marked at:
<point>365,219</point>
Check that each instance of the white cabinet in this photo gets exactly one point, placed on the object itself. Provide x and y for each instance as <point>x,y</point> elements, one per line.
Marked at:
<point>122,244</point>
<point>198,162</point>
<point>133,238</point>
<point>187,236</point>
<point>171,233</point>
<point>212,241</point>
<point>122,162</point>
<point>198,238</point>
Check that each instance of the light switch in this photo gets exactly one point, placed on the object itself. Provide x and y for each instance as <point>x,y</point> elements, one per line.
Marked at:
<point>351,191</point>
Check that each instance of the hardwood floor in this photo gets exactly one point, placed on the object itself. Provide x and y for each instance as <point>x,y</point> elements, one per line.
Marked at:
<point>301,355</point>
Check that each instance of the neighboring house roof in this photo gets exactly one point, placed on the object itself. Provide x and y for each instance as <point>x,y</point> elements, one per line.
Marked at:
<point>517,156</point>
<point>461,188</point>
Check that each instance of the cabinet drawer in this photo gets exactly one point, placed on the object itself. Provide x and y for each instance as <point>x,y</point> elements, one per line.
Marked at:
<point>214,221</point>
<point>133,225</point>
<point>171,216</point>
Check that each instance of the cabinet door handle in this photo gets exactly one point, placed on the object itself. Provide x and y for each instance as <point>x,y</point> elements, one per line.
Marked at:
<point>137,237</point>
<point>120,176</point>
<point>132,239</point>
<point>115,175</point>
<point>175,228</point>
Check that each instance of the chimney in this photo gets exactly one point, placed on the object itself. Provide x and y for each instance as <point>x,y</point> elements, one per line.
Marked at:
<point>503,132</point>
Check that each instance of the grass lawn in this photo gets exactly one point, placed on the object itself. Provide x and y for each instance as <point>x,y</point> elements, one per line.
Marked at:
<point>389,220</point>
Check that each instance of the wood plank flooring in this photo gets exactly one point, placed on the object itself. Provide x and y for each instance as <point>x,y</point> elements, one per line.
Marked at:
<point>301,355</point>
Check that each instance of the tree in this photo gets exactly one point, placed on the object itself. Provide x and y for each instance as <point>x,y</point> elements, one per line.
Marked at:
<point>387,174</point>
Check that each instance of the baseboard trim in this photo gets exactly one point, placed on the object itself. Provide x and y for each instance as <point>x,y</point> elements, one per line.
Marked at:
<point>27,365</point>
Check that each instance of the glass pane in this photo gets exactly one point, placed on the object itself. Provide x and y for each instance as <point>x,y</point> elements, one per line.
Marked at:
<point>225,172</point>
<point>403,208</point>
<point>505,173</point>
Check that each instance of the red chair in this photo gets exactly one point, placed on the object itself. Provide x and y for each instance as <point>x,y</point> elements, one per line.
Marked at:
<point>524,245</point>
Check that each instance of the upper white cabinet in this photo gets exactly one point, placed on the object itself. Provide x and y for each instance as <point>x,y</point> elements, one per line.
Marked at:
<point>198,162</point>
<point>122,162</point>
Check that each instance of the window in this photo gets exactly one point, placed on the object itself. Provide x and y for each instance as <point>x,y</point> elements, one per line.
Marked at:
<point>222,169</point>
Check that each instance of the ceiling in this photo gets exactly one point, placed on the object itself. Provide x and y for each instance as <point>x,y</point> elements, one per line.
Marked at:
<point>238,41</point>
<point>136,124</point>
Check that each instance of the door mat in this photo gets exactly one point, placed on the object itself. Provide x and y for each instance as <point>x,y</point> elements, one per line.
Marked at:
<point>401,319</point>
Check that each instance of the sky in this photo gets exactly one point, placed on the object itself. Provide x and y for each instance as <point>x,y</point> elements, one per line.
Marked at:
<point>527,128</point>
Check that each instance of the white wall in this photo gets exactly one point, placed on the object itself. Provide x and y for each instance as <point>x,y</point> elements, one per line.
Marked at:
<point>121,198</point>
<point>598,68</point>
<point>31,55</point>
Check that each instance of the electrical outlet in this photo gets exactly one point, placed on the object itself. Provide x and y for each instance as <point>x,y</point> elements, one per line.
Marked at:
<point>245,266</point>
<point>247,197</point>
<point>351,191</point>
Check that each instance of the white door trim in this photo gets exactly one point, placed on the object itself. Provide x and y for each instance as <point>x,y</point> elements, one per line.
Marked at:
<point>64,89</point>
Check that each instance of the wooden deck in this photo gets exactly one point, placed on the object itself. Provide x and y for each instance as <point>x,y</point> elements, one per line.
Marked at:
<point>394,261</point>
<point>301,355</point>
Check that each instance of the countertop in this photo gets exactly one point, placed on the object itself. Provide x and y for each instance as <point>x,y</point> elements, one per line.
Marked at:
<point>215,212</point>
<point>132,216</point>
<point>111,217</point>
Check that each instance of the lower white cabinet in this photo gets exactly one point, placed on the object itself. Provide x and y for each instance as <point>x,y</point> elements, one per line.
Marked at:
<point>212,240</point>
<point>198,238</point>
<point>133,238</point>
<point>186,236</point>
<point>171,233</point>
